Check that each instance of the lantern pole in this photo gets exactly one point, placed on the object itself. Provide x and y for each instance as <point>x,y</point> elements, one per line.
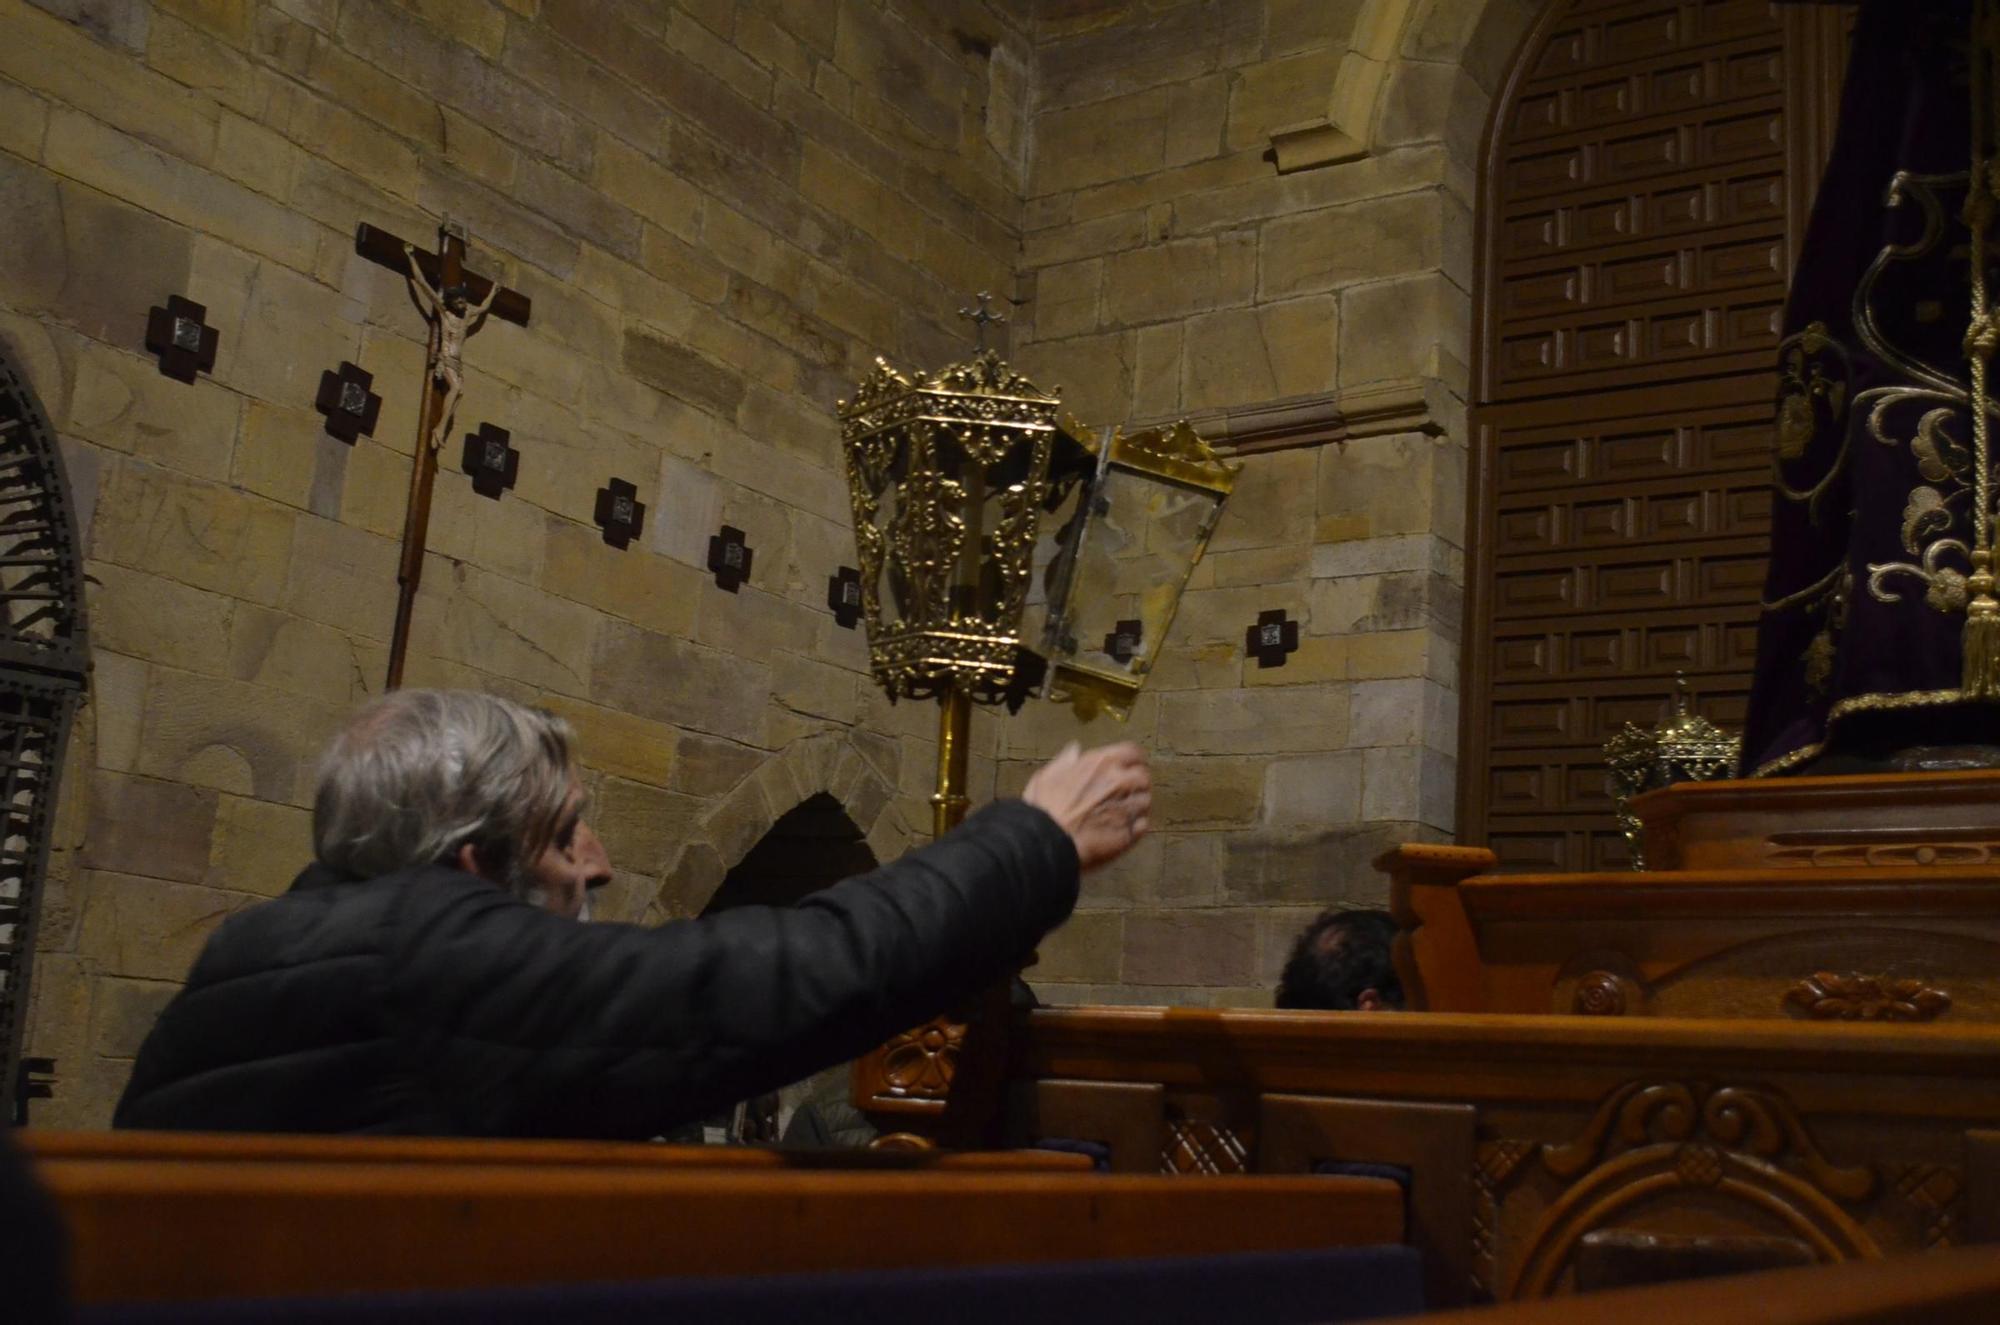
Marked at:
<point>949,802</point>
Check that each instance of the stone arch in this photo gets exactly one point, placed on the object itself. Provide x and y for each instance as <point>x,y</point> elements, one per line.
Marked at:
<point>1420,73</point>
<point>44,666</point>
<point>832,763</point>
<point>1447,66</point>
<point>1415,71</point>
<point>812,845</point>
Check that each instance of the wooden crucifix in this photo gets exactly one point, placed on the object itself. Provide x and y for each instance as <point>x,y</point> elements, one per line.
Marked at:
<point>455,301</point>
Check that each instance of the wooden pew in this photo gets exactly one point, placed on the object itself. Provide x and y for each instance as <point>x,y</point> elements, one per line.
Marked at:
<point>161,1218</point>
<point>1524,1135</point>
<point>203,1147</point>
<point>1952,1288</point>
<point>1871,897</point>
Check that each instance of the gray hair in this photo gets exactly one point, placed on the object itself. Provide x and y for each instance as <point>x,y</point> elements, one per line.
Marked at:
<point>417,774</point>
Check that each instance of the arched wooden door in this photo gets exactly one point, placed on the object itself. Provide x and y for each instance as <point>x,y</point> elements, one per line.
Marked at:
<point>1648,170</point>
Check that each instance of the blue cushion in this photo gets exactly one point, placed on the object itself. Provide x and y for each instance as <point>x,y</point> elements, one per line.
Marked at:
<point>1100,1154</point>
<point>1348,1168</point>
<point>1272,1288</point>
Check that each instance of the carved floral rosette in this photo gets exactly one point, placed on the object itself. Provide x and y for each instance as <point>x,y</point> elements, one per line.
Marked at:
<point>947,474</point>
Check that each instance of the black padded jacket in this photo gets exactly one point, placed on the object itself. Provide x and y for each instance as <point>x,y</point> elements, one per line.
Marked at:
<point>430,1002</point>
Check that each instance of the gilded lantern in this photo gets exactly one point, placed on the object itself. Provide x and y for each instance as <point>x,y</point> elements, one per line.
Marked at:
<point>948,474</point>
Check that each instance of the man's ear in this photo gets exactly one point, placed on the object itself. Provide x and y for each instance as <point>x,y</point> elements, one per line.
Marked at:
<point>1368,1000</point>
<point>467,859</point>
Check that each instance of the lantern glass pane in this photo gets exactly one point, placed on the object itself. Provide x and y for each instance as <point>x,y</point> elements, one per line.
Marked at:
<point>1142,538</point>
<point>894,587</point>
<point>1048,568</point>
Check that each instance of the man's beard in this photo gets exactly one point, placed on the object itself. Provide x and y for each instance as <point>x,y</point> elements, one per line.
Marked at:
<point>536,895</point>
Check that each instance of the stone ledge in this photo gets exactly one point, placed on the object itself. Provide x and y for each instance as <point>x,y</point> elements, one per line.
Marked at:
<point>1379,409</point>
<point>1313,143</point>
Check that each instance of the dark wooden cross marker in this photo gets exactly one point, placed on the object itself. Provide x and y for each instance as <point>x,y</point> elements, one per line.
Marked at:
<point>1123,641</point>
<point>35,1080</point>
<point>620,513</point>
<point>843,595</point>
<point>729,558</point>
<point>455,300</point>
<point>350,407</point>
<point>180,335</point>
<point>1272,639</point>
<point>493,464</point>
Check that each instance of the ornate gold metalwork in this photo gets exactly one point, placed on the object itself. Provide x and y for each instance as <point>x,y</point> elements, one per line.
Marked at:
<point>1686,748</point>
<point>949,802</point>
<point>1176,453</point>
<point>947,474</point>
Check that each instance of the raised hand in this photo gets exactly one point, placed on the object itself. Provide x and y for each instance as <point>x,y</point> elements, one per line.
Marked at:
<point>1100,797</point>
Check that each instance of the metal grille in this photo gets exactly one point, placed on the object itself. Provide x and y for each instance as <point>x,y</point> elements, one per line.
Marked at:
<point>43,665</point>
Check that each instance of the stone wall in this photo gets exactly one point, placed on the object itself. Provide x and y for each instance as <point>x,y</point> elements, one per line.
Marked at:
<point>722,212</point>
<point>1319,318</point>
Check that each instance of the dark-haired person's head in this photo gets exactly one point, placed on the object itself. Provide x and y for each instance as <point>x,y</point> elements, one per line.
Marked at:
<point>1341,963</point>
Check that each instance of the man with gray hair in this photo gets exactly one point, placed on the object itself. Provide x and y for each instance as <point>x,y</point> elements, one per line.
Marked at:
<point>427,974</point>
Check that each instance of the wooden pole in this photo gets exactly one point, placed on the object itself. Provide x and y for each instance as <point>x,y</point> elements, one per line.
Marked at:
<point>416,524</point>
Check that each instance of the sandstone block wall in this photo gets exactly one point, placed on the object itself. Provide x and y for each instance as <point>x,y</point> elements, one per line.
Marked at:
<point>723,209</point>
<point>722,212</point>
<point>1175,272</point>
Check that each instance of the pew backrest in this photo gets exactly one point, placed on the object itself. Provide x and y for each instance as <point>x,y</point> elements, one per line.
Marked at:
<point>205,1147</point>
<point>155,1229</point>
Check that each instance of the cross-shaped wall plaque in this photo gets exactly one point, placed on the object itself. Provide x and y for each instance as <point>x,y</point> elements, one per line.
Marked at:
<point>35,1079</point>
<point>1272,639</point>
<point>493,463</point>
<point>180,335</point>
<point>729,558</point>
<point>350,407</point>
<point>843,595</point>
<point>1123,641</point>
<point>620,513</point>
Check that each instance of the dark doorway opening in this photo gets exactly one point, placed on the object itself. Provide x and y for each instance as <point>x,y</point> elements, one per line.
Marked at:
<point>811,847</point>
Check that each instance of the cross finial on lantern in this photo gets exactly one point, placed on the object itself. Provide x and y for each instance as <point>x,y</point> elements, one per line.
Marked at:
<point>982,315</point>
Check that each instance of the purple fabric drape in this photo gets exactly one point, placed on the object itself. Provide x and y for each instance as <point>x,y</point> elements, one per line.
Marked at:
<point>1858,648</point>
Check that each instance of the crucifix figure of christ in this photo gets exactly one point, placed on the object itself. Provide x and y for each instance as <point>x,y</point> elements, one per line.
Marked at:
<point>455,301</point>
<point>452,319</point>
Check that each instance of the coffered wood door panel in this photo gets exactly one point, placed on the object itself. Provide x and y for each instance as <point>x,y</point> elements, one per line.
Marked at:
<point>1649,168</point>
